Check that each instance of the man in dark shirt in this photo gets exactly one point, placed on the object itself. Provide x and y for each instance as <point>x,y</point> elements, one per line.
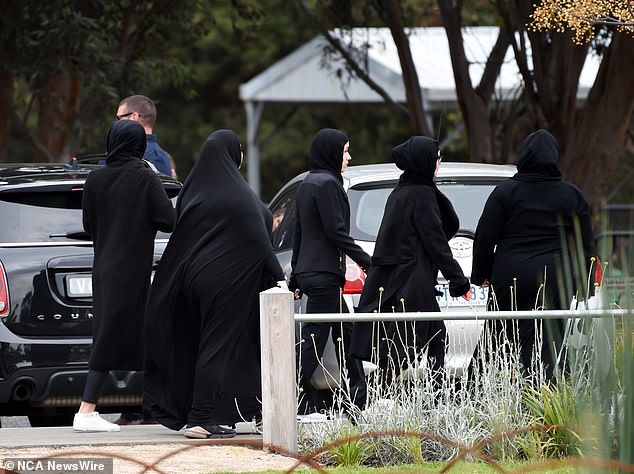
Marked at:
<point>141,109</point>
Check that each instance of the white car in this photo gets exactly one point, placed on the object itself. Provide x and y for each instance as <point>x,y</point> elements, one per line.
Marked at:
<point>467,185</point>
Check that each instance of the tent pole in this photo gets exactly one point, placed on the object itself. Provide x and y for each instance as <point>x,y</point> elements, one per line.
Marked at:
<point>254,115</point>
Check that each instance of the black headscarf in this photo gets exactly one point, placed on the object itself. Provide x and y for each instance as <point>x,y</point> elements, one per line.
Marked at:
<point>125,144</point>
<point>326,151</point>
<point>539,158</point>
<point>417,157</point>
<point>213,195</point>
<point>220,158</point>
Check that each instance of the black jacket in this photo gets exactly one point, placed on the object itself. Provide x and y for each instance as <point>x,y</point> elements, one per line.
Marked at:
<point>535,228</point>
<point>323,213</point>
<point>410,249</point>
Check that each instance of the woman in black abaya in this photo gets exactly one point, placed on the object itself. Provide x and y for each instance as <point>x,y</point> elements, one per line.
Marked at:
<point>202,325</point>
<point>123,232</point>
<point>527,248</point>
<point>411,246</point>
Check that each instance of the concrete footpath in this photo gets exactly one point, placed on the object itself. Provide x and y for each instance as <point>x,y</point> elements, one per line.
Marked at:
<point>64,436</point>
<point>141,448</point>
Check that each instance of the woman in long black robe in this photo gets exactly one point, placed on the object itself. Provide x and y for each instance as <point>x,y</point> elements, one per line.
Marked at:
<point>532,246</point>
<point>203,307</point>
<point>411,246</point>
<point>124,204</point>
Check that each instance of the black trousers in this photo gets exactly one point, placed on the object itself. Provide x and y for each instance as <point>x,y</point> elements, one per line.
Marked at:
<point>324,296</point>
<point>94,385</point>
<point>519,336</point>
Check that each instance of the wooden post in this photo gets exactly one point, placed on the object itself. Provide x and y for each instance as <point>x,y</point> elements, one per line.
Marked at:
<point>279,401</point>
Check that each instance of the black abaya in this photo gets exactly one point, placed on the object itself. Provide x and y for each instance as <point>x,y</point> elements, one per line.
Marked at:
<point>411,246</point>
<point>203,304</point>
<point>123,231</point>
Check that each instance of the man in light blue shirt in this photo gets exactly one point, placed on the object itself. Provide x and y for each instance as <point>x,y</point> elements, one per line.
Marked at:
<point>141,109</point>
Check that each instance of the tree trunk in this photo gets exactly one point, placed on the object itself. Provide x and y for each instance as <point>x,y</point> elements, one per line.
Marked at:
<point>58,105</point>
<point>557,65</point>
<point>474,108</point>
<point>413,93</point>
<point>598,137</point>
<point>591,136</point>
<point>6,107</point>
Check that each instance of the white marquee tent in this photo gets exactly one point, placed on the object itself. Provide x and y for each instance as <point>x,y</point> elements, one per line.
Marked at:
<point>313,73</point>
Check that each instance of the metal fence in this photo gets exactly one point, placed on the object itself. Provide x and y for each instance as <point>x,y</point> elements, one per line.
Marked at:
<point>277,328</point>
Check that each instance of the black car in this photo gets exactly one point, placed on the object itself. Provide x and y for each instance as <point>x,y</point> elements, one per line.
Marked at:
<point>46,295</point>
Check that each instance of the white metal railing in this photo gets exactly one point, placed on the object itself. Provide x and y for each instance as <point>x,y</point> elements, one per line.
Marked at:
<point>277,329</point>
<point>461,315</point>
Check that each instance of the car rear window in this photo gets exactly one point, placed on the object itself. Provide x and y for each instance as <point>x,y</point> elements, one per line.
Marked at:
<point>367,205</point>
<point>43,216</point>
<point>468,200</point>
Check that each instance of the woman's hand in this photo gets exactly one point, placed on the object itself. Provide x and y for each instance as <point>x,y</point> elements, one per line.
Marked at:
<point>468,294</point>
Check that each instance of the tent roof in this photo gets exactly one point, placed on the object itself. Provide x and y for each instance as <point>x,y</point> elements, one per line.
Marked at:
<point>314,73</point>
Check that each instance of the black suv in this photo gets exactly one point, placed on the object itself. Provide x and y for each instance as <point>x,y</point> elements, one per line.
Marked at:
<point>46,295</point>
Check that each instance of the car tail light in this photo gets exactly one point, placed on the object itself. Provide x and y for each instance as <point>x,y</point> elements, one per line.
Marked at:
<point>355,278</point>
<point>598,274</point>
<point>4,292</point>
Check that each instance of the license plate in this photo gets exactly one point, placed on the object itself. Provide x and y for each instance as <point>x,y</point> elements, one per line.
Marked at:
<point>79,286</point>
<point>478,297</point>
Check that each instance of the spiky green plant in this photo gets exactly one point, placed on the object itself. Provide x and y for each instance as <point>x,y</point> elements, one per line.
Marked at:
<point>555,408</point>
<point>347,451</point>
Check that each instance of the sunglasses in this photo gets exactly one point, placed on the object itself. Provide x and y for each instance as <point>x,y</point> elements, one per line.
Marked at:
<point>119,117</point>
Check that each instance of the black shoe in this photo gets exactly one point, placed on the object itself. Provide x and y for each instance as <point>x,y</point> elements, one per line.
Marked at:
<point>208,431</point>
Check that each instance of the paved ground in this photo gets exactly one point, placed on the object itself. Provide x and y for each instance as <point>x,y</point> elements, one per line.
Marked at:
<point>136,447</point>
<point>65,436</point>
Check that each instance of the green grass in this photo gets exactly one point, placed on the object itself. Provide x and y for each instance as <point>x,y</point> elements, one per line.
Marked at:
<point>438,467</point>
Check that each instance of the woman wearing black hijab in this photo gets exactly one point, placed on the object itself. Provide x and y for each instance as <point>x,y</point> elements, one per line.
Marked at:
<point>123,232</point>
<point>526,249</point>
<point>411,246</point>
<point>321,243</point>
<point>203,312</point>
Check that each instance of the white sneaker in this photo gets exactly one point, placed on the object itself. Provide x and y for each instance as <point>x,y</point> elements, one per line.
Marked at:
<point>92,422</point>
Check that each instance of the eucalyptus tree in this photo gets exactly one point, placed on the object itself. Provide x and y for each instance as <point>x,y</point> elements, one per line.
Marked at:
<point>591,133</point>
<point>65,63</point>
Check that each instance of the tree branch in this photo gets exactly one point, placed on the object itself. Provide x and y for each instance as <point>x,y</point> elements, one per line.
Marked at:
<point>354,65</point>
<point>601,20</point>
<point>31,137</point>
<point>519,51</point>
<point>494,64</point>
<point>408,69</point>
